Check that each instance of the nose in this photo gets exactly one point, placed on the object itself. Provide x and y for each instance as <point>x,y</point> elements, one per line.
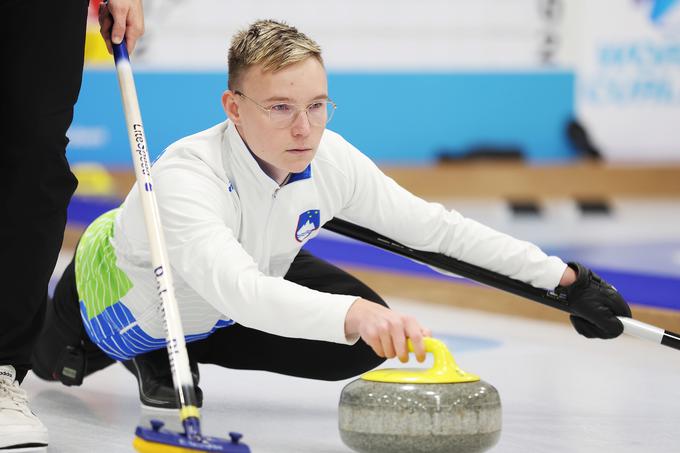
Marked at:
<point>301,125</point>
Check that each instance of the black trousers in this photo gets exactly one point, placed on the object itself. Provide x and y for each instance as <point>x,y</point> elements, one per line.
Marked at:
<point>236,346</point>
<point>42,44</point>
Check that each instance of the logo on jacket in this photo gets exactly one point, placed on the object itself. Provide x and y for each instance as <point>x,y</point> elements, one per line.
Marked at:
<point>308,222</point>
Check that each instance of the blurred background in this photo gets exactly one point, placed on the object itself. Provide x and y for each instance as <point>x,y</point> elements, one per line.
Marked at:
<point>557,122</point>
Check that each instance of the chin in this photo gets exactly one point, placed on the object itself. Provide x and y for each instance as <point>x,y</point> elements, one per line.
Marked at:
<point>299,168</point>
<point>300,164</point>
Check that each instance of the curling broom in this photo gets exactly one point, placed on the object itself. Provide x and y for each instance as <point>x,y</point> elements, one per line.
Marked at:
<point>446,263</point>
<point>156,439</point>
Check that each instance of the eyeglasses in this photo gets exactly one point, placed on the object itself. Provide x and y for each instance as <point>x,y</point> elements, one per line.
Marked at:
<point>282,115</point>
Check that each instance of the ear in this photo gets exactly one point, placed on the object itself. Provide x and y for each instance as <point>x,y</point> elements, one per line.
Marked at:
<point>230,107</point>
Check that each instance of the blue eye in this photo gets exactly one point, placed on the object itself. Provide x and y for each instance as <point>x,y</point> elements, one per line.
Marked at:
<point>281,108</point>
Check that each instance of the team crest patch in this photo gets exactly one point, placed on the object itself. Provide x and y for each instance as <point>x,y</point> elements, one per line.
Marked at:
<point>308,222</point>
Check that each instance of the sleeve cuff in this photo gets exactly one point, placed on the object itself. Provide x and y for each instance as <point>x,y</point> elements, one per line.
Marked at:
<point>554,273</point>
<point>336,315</point>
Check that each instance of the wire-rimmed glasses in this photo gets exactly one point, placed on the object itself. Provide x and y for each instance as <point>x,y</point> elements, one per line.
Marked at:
<point>283,114</point>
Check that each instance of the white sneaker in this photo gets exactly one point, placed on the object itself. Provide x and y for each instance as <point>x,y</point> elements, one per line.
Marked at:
<point>19,427</point>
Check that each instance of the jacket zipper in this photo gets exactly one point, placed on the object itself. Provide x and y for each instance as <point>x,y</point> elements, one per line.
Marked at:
<point>267,238</point>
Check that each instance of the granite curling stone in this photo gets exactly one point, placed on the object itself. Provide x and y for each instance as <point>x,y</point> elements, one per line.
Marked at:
<point>438,410</point>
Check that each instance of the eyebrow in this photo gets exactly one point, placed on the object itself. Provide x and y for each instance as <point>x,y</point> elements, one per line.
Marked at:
<point>287,99</point>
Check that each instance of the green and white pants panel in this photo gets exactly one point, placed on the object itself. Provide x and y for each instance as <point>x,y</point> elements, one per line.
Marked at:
<point>101,285</point>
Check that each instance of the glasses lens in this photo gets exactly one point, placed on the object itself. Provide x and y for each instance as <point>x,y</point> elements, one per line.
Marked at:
<point>318,113</point>
<point>282,115</point>
<point>330,110</point>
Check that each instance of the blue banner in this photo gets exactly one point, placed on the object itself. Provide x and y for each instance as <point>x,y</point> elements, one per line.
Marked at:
<point>402,118</point>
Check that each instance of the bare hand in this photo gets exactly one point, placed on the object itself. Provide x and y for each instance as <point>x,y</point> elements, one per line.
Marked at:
<point>118,18</point>
<point>385,330</point>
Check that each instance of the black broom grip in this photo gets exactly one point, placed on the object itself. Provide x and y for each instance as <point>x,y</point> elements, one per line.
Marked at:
<point>446,263</point>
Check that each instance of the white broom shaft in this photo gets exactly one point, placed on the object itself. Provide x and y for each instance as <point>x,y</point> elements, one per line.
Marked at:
<point>641,330</point>
<point>175,333</point>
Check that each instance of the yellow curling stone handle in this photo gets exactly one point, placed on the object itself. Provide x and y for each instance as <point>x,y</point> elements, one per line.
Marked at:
<point>444,371</point>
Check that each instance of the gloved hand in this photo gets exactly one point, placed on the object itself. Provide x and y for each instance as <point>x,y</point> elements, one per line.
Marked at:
<point>594,304</point>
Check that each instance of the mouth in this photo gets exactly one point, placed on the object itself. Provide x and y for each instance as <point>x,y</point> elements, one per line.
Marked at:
<point>299,150</point>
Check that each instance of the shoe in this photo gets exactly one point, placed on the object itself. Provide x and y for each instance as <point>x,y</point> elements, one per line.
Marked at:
<point>19,427</point>
<point>154,378</point>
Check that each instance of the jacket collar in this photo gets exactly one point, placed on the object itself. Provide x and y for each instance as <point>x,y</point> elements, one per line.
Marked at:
<point>245,165</point>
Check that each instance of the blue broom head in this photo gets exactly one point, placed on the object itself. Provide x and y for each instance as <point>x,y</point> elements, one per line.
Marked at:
<point>157,439</point>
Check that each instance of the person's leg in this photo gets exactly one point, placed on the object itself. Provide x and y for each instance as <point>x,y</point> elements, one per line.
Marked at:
<point>245,348</point>
<point>63,350</point>
<point>43,47</point>
<point>42,43</point>
<point>65,353</point>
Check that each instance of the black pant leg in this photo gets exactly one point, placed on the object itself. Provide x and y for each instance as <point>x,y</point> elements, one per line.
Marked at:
<point>42,44</point>
<point>314,273</point>
<point>245,348</point>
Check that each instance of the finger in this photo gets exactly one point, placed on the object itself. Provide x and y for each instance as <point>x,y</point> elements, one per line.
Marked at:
<point>415,334</point>
<point>135,28</point>
<point>399,342</point>
<point>130,41</point>
<point>105,23</point>
<point>386,341</point>
<point>377,348</point>
<point>103,13</point>
<point>374,342</point>
<point>109,47</point>
<point>120,14</point>
<point>419,348</point>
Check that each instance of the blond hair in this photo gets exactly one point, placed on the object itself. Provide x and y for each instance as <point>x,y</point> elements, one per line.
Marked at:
<point>274,45</point>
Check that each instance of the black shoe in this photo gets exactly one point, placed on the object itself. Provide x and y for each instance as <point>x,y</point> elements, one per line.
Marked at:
<point>154,377</point>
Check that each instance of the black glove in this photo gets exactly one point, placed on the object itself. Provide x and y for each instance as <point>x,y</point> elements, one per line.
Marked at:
<point>594,304</point>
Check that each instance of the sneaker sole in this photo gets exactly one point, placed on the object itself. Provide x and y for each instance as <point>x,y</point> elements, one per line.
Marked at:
<point>25,449</point>
<point>24,440</point>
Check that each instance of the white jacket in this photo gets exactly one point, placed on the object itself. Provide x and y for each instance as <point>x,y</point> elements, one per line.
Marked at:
<point>232,233</point>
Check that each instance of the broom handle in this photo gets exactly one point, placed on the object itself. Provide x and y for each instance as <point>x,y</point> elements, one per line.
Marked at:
<point>177,352</point>
<point>446,263</point>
